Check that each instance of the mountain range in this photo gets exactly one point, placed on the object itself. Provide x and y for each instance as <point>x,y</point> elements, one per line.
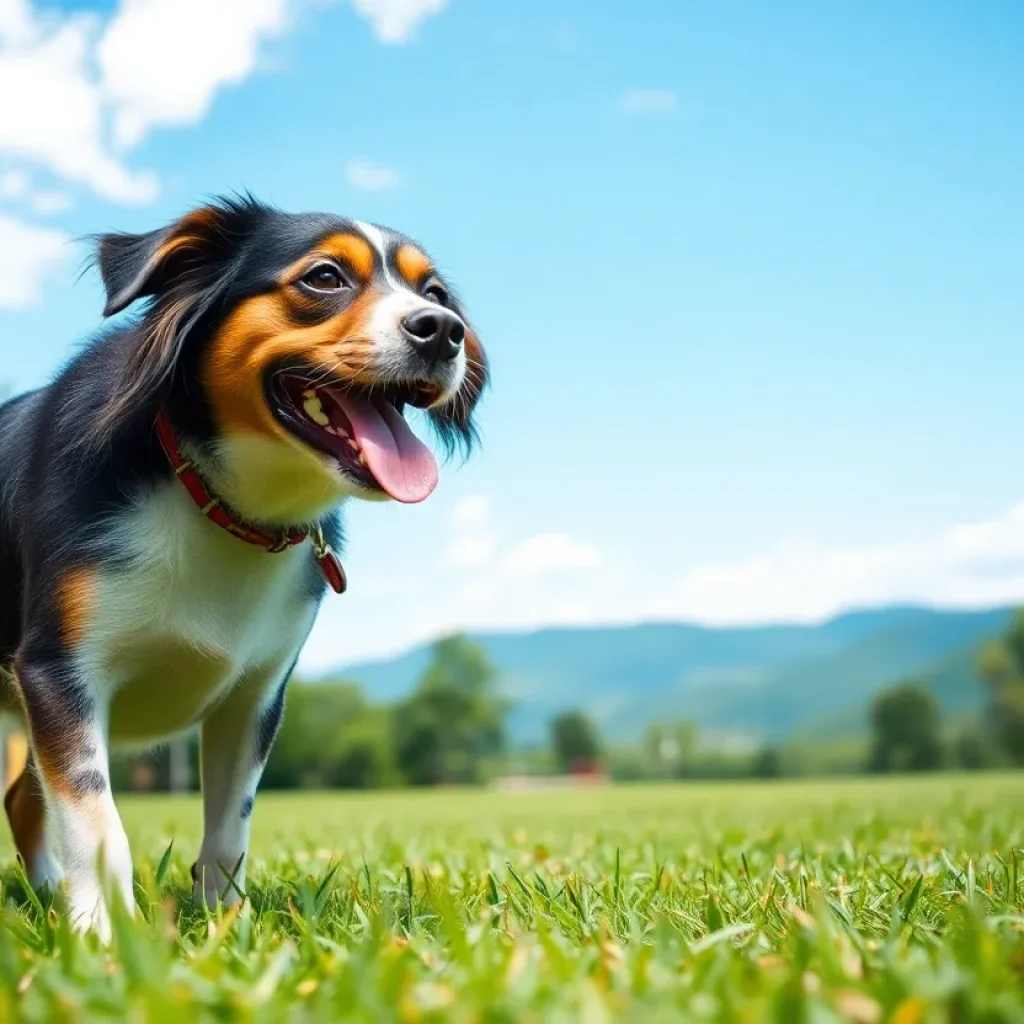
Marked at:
<point>765,682</point>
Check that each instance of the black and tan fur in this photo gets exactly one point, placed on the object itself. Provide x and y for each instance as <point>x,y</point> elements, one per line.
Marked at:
<point>125,616</point>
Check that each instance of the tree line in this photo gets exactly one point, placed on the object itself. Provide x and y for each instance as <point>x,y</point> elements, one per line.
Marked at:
<point>451,730</point>
<point>907,727</point>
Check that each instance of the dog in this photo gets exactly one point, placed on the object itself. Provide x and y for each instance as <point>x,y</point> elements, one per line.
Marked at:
<point>170,509</point>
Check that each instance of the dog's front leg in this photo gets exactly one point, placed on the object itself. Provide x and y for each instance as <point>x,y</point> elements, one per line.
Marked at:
<point>66,725</point>
<point>236,741</point>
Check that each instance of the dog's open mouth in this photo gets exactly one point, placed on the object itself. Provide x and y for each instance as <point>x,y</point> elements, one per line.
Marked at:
<point>363,429</point>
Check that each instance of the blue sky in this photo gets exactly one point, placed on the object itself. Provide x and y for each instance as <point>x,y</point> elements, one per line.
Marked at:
<point>749,276</point>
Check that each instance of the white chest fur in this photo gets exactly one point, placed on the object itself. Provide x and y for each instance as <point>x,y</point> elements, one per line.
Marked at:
<point>191,613</point>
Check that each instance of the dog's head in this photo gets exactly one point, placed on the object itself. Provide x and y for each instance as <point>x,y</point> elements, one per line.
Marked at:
<point>306,337</point>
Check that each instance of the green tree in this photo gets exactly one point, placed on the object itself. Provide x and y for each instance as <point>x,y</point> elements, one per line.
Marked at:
<point>1001,667</point>
<point>362,754</point>
<point>905,726</point>
<point>574,740</point>
<point>454,719</point>
<point>973,749</point>
<point>312,732</point>
<point>670,748</point>
<point>767,763</point>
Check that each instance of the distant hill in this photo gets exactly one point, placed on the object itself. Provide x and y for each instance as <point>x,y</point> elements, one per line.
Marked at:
<point>767,681</point>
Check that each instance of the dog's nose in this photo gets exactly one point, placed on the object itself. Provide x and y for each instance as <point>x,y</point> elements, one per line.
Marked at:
<point>437,334</point>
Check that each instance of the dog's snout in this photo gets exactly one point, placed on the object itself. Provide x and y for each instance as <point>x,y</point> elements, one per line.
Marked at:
<point>437,334</point>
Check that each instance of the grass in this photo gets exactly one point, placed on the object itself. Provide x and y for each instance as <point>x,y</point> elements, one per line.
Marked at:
<point>862,901</point>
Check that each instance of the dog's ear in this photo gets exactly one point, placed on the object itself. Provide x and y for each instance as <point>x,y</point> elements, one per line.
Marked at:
<point>184,268</point>
<point>140,266</point>
<point>129,266</point>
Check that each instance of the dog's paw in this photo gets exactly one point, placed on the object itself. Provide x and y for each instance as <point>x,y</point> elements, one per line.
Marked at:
<point>211,885</point>
<point>90,915</point>
<point>89,910</point>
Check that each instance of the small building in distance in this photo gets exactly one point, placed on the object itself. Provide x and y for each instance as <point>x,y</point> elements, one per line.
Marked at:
<point>583,774</point>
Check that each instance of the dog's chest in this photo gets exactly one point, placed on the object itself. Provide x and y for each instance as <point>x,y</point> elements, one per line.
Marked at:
<point>190,613</point>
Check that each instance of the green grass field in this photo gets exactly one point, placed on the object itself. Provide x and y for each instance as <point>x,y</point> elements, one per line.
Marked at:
<point>833,901</point>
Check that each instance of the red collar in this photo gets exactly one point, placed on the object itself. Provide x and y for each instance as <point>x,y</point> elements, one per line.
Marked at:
<point>217,513</point>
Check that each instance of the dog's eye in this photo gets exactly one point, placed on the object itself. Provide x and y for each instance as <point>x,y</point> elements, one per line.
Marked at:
<point>325,277</point>
<point>436,293</point>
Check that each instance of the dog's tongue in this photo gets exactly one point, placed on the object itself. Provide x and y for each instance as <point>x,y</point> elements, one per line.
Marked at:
<point>400,462</point>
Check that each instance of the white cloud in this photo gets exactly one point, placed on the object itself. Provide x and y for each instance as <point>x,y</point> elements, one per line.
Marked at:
<point>472,541</point>
<point>426,605</point>
<point>550,552</point>
<point>15,20</point>
<point>370,177</point>
<point>974,564</point>
<point>648,101</point>
<point>57,117</point>
<point>472,511</point>
<point>49,202</point>
<point>162,62</point>
<point>395,21</point>
<point>977,564</point>
<point>14,184</point>
<point>469,550</point>
<point>473,544</point>
<point>27,254</point>
<point>80,90</point>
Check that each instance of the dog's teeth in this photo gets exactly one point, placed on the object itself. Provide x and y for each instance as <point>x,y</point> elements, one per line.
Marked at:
<point>314,410</point>
<point>354,446</point>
